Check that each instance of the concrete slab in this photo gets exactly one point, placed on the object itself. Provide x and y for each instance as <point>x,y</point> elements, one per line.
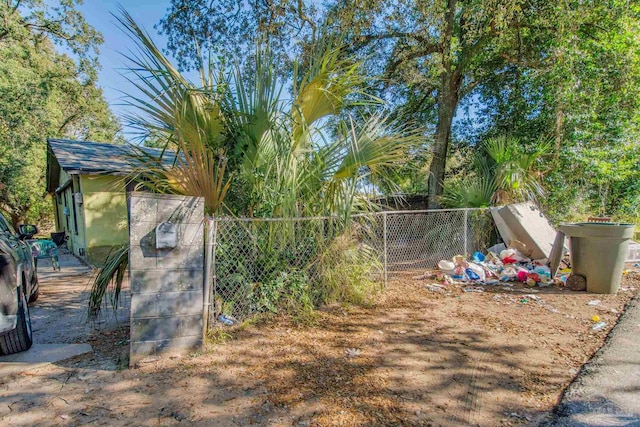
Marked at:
<point>634,252</point>
<point>503,228</point>
<point>39,355</point>
<point>529,225</point>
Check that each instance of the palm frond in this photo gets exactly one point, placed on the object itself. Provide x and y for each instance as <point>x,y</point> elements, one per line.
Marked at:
<point>470,192</point>
<point>111,275</point>
<point>253,105</point>
<point>330,83</point>
<point>363,155</point>
<point>245,148</point>
<point>514,168</point>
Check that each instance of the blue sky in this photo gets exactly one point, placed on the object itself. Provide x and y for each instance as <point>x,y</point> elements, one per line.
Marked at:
<point>147,13</point>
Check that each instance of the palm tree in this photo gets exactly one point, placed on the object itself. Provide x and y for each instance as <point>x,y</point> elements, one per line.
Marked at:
<point>516,169</point>
<point>503,171</point>
<point>281,161</point>
<point>251,150</point>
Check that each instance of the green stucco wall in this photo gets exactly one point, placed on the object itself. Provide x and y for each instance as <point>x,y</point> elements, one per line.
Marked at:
<point>105,215</point>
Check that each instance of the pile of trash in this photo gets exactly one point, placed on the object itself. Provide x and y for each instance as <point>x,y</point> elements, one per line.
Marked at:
<point>501,264</point>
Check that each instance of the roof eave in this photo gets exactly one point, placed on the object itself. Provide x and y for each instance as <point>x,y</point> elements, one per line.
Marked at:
<point>96,172</point>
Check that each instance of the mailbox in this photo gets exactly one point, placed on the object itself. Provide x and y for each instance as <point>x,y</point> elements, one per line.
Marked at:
<point>166,235</point>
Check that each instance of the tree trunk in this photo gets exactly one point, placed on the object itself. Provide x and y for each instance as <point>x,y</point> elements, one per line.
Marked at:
<point>447,104</point>
<point>448,95</point>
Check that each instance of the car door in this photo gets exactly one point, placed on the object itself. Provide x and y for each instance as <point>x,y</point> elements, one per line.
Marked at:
<point>22,251</point>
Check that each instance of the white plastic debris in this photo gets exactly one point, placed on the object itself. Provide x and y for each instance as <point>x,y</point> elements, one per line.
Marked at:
<point>352,352</point>
<point>447,267</point>
<point>435,288</point>
<point>507,253</point>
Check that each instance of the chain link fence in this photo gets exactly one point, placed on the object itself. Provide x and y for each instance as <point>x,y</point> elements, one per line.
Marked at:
<point>419,239</point>
<point>276,264</point>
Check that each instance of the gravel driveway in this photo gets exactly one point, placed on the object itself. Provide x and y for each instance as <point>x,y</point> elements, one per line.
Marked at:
<point>60,314</point>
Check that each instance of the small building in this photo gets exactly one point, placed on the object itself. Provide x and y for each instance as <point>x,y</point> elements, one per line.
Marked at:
<point>89,183</point>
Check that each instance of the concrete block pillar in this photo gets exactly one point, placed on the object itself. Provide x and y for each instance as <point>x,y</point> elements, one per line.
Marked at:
<point>167,283</point>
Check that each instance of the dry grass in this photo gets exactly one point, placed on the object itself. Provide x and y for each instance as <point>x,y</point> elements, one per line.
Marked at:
<point>414,357</point>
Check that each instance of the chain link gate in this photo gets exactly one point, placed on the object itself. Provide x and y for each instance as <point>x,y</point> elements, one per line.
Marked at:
<point>254,259</point>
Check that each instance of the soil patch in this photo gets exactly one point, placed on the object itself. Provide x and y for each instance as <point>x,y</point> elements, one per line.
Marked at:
<point>420,355</point>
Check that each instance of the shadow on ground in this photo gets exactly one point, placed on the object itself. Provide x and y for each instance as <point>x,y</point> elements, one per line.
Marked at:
<point>412,358</point>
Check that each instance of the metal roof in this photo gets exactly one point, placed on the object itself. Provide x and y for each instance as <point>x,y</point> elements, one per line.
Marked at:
<point>100,157</point>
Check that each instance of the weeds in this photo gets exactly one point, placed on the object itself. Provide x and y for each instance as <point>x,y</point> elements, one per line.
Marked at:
<point>346,269</point>
<point>292,267</point>
<point>217,336</point>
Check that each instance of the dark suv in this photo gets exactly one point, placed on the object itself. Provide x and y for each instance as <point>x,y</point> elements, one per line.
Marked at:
<point>18,286</point>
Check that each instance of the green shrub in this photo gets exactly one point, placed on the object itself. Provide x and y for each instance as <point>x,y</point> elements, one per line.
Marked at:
<point>346,271</point>
<point>290,292</point>
<point>292,267</point>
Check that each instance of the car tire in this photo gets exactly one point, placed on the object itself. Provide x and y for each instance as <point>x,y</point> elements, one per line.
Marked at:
<point>35,289</point>
<point>21,338</point>
<point>34,296</point>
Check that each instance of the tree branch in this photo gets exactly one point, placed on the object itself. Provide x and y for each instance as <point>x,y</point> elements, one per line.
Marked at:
<point>14,7</point>
<point>48,28</point>
<point>67,121</point>
<point>304,18</point>
<point>363,40</point>
<point>466,89</point>
<point>523,62</point>
<point>426,50</point>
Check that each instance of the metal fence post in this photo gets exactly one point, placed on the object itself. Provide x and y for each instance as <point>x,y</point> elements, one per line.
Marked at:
<point>209,273</point>
<point>384,240</point>
<point>466,232</point>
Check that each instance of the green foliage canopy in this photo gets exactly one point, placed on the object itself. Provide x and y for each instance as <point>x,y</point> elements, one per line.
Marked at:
<point>44,94</point>
<point>565,70</point>
<point>579,85</point>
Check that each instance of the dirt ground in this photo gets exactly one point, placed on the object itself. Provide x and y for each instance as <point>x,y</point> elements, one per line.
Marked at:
<point>415,357</point>
<point>60,314</point>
